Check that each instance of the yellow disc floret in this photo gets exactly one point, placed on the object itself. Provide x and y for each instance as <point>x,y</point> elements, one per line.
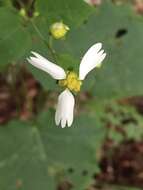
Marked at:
<point>58,30</point>
<point>71,82</point>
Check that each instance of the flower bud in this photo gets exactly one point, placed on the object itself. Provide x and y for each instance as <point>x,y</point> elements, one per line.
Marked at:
<point>22,12</point>
<point>58,30</point>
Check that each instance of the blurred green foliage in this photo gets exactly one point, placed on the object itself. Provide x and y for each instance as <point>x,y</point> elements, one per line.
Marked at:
<point>36,154</point>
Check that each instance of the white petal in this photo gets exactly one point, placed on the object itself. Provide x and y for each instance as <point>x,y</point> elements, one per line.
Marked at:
<point>65,109</point>
<point>52,69</point>
<point>93,58</point>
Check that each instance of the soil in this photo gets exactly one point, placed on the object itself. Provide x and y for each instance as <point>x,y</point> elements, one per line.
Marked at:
<point>122,164</point>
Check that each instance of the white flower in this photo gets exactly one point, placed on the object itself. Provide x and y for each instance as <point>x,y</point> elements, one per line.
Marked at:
<point>52,69</point>
<point>93,58</point>
<point>65,107</point>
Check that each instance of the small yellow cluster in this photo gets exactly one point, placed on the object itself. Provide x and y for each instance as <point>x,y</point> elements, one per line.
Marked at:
<point>71,82</point>
<point>58,30</point>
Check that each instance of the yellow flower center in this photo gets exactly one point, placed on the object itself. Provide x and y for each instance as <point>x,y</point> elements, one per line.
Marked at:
<point>71,82</point>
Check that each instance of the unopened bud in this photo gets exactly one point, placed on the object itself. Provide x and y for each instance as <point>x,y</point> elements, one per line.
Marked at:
<point>58,30</point>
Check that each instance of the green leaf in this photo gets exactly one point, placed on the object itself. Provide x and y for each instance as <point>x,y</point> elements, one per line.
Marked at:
<point>77,147</point>
<point>42,155</point>
<point>72,13</point>
<point>14,40</point>
<point>23,163</point>
<point>67,62</point>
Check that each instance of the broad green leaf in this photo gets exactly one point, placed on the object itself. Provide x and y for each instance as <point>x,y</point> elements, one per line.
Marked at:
<point>77,147</point>
<point>14,40</point>
<point>23,163</point>
<point>67,62</point>
<point>72,13</point>
<point>40,155</point>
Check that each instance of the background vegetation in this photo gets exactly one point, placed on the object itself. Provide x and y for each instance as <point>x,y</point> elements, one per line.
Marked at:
<point>104,147</point>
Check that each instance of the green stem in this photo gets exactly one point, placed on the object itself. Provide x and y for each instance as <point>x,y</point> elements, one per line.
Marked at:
<point>47,43</point>
<point>50,42</point>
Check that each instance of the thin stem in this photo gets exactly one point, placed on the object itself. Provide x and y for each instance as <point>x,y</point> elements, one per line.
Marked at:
<point>47,43</point>
<point>51,47</point>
